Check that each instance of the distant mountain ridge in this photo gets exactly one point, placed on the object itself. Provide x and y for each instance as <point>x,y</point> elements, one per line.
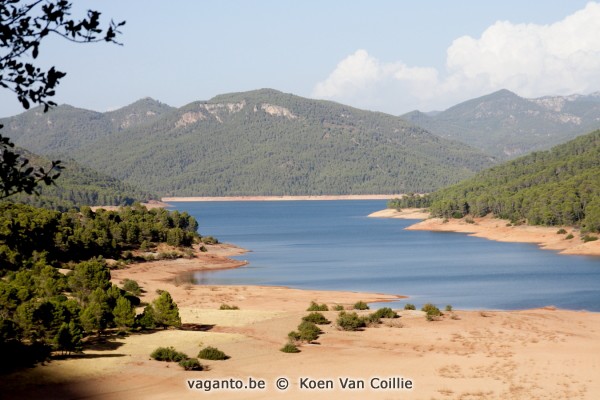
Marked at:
<point>506,125</point>
<point>261,142</point>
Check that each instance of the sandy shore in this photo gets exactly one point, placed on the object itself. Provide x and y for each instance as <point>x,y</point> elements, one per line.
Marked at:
<point>500,230</point>
<point>535,354</point>
<point>284,198</point>
<point>408,213</point>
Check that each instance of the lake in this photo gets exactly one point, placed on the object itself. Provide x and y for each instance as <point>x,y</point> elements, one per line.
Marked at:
<point>332,245</point>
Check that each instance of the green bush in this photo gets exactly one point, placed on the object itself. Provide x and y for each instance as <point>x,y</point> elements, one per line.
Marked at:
<point>448,308</point>
<point>316,307</point>
<point>308,331</point>
<point>589,238</point>
<point>433,313</point>
<point>561,231</point>
<point>361,305</point>
<point>316,318</point>
<point>212,353</point>
<point>294,336</point>
<point>469,220</point>
<point>372,319</point>
<point>209,240</point>
<point>191,364</point>
<point>409,306</point>
<point>386,312</point>
<point>290,348</point>
<point>350,321</point>
<point>168,354</point>
<point>228,307</point>
<point>569,236</point>
<point>338,307</point>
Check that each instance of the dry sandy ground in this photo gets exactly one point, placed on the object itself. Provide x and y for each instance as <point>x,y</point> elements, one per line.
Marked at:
<point>499,230</point>
<point>535,354</point>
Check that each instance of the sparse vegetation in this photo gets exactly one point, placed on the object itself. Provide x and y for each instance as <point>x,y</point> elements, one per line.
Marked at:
<point>228,307</point>
<point>409,306</point>
<point>316,318</point>
<point>448,308</point>
<point>212,353</point>
<point>589,238</point>
<point>132,287</point>
<point>191,364</point>
<point>316,307</point>
<point>338,307</point>
<point>569,236</point>
<point>308,331</point>
<point>350,321</point>
<point>290,348</point>
<point>561,231</point>
<point>432,313</point>
<point>168,354</point>
<point>360,305</point>
<point>386,312</point>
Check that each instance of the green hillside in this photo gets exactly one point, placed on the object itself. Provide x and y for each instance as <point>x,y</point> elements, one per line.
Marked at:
<point>262,142</point>
<point>79,186</point>
<point>66,128</point>
<point>556,187</point>
<point>507,126</point>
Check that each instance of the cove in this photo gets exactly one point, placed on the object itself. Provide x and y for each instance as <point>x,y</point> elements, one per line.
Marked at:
<point>332,245</point>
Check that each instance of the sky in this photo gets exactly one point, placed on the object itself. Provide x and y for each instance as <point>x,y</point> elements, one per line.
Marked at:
<point>382,55</point>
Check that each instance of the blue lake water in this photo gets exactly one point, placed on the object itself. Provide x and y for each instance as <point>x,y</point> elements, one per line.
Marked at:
<point>332,245</point>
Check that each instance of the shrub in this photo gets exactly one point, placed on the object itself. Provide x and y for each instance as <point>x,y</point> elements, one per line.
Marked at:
<point>561,231</point>
<point>409,306</point>
<point>308,331</point>
<point>372,319</point>
<point>209,240</point>
<point>431,309</point>
<point>212,353</point>
<point>228,307</point>
<point>385,312</point>
<point>316,318</point>
<point>589,238</point>
<point>350,321</point>
<point>168,354</point>
<point>191,364</point>
<point>569,236</point>
<point>361,305</point>
<point>433,313</point>
<point>448,308</point>
<point>469,220</point>
<point>290,348</point>
<point>294,336</point>
<point>338,307</point>
<point>316,307</point>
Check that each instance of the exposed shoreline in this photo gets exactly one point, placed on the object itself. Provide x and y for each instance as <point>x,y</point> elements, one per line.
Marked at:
<point>502,231</point>
<point>483,355</point>
<point>283,198</point>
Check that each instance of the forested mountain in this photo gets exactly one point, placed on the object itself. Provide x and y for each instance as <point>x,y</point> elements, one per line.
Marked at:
<point>79,186</point>
<point>262,142</point>
<point>66,128</point>
<point>506,125</point>
<point>560,186</point>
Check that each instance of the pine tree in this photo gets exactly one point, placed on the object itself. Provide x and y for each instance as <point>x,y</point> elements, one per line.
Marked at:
<point>166,311</point>
<point>124,313</point>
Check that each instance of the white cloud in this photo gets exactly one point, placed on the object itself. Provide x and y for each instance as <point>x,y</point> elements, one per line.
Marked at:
<point>531,60</point>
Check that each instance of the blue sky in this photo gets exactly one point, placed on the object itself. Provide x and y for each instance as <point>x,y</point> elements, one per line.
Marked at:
<point>390,56</point>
